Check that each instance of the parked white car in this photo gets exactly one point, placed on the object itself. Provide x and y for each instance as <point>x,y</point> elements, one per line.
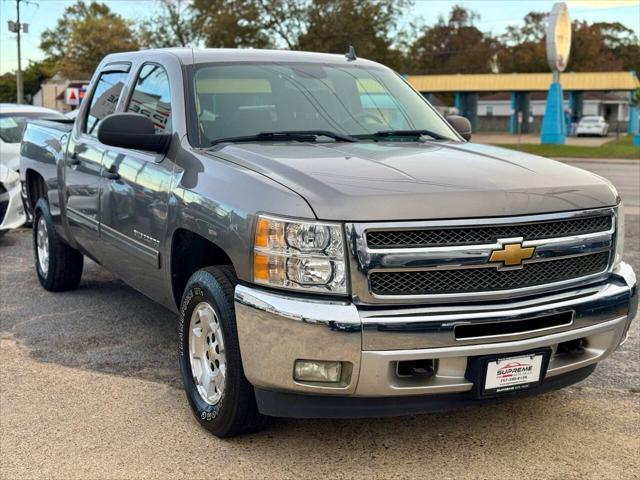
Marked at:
<point>12,213</point>
<point>592,125</point>
<point>12,122</point>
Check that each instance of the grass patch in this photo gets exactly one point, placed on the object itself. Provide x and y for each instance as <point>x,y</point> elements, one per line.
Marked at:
<point>623,148</point>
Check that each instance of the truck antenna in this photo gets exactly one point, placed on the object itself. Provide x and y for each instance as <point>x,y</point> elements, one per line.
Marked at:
<point>351,54</point>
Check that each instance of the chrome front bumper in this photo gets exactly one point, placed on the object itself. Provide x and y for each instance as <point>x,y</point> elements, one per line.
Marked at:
<point>275,330</point>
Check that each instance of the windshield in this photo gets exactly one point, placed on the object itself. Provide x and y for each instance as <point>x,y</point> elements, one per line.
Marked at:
<point>12,125</point>
<point>247,99</point>
<point>591,120</point>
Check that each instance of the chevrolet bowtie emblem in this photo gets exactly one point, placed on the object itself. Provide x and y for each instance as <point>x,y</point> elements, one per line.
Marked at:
<point>512,254</point>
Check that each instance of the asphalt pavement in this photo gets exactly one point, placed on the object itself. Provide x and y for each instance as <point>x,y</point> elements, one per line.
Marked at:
<point>90,388</point>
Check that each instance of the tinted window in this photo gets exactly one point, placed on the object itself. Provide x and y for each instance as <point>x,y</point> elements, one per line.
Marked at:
<point>152,97</point>
<point>245,99</point>
<point>104,100</point>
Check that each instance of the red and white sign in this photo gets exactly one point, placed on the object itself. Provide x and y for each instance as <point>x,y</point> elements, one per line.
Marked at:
<point>72,96</point>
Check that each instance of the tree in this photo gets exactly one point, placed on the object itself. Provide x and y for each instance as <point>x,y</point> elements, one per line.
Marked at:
<point>623,42</point>
<point>172,27</point>
<point>229,23</point>
<point>32,77</point>
<point>84,35</point>
<point>333,25</point>
<point>595,47</point>
<point>522,48</point>
<point>453,46</point>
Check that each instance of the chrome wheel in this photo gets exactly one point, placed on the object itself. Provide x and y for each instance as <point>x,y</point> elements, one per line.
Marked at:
<point>42,245</point>
<point>206,353</point>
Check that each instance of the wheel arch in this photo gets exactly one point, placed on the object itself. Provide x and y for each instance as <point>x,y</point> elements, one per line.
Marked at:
<point>191,252</point>
<point>36,187</point>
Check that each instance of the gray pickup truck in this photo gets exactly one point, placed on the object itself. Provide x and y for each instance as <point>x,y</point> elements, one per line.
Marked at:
<point>333,246</point>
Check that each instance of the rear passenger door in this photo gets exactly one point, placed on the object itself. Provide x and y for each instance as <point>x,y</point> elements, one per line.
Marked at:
<point>134,202</point>
<point>83,167</point>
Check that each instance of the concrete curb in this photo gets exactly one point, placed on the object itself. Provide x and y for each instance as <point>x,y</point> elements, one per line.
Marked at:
<point>622,161</point>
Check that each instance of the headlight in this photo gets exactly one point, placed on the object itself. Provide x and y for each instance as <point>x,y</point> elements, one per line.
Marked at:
<point>619,235</point>
<point>299,255</point>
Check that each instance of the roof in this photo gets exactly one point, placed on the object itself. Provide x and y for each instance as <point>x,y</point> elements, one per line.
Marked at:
<point>188,56</point>
<point>541,96</point>
<point>524,82</point>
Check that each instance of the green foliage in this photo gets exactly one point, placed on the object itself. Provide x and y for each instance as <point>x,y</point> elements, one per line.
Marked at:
<point>333,25</point>
<point>635,98</point>
<point>32,78</point>
<point>597,47</point>
<point>453,46</point>
<point>86,32</point>
<point>84,35</point>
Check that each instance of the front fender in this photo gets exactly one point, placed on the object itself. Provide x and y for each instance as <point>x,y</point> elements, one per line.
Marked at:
<point>219,201</point>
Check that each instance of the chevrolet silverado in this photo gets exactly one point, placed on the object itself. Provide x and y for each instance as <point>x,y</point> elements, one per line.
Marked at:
<point>332,245</point>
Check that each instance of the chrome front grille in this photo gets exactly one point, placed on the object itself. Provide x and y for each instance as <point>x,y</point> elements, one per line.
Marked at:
<point>464,260</point>
<point>433,282</point>
<point>437,237</point>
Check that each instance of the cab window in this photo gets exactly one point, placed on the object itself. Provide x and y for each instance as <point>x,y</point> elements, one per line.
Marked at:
<point>152,97</point>
<point>105,99</point>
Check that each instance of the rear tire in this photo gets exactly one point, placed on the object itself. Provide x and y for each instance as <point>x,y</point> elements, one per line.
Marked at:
<point>221,397</point>
<point>58,265</point>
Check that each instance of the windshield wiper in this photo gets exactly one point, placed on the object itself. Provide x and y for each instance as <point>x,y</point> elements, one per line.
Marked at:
<point>407,133</point>
<point>295,135</point>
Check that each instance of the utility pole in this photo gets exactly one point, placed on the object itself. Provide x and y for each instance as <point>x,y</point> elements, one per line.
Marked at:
<point>19,90</point>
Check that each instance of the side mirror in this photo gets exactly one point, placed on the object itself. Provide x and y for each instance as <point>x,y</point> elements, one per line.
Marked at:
<point>460,125</point>
<point>132,130</point>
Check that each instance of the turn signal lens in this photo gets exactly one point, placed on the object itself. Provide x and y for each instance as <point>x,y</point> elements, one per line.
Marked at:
<point>297,254</point>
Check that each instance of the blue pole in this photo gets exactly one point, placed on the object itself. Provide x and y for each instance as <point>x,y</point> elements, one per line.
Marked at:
<point>554,129</point>
<point>633,117</point>
<point>513,120</point>
<point>457,102</point>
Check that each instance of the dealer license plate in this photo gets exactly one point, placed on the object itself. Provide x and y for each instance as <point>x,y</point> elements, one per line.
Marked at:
<point>510,374</point>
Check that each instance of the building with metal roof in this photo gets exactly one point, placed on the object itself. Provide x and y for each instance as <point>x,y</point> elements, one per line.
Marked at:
<point>521,89</point>
<point>524,82</point>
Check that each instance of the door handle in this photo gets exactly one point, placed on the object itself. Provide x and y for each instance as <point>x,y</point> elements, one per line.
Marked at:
<point>110,174</point>
<point>73,159</point>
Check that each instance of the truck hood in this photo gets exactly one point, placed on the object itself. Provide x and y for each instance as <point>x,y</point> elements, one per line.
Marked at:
<point>380,181</point>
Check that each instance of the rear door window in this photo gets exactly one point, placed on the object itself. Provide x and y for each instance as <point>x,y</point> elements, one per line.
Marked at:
<point>105,99</point>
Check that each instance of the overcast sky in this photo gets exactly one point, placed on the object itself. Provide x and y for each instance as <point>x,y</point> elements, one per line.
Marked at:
<point>495,15</point>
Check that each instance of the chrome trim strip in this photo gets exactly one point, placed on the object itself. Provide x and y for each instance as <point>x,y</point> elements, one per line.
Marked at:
<point>365,261</point>
<point>429,327</point>
<point>491,221</point>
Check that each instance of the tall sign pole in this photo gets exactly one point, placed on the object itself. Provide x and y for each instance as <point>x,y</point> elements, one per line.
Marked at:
<point>19,90</point>
<point>554,128</point>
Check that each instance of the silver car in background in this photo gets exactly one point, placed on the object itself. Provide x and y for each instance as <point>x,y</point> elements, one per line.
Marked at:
<point>13,119</point>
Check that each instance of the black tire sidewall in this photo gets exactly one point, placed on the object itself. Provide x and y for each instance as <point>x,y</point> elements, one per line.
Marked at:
<point>203,287</point>
<point>42,211</point>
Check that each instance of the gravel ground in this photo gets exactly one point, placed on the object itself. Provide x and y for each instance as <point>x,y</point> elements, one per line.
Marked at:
<point>89,388</point>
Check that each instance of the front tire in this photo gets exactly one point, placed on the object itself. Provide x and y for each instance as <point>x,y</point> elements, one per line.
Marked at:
<point>58,265</point>
<point>220,396</point>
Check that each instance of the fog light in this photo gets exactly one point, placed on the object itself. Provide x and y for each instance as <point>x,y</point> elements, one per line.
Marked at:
<point>317,371</point>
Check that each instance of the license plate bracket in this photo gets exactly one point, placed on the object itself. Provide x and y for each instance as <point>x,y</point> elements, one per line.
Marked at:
<point>507,373</point>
